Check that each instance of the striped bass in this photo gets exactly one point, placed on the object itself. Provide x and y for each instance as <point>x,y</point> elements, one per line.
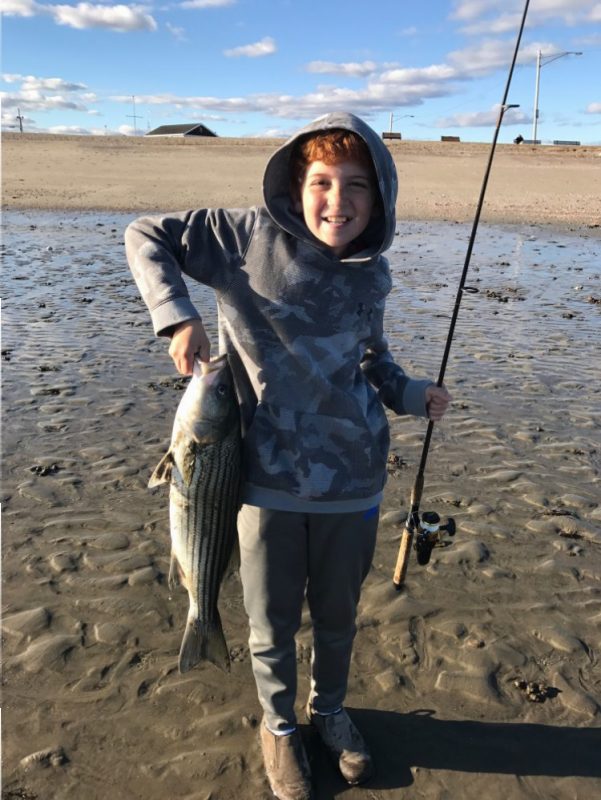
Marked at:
<point>203,467</point>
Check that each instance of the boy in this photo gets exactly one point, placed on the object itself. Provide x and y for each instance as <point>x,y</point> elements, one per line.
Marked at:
<point>300,286</point>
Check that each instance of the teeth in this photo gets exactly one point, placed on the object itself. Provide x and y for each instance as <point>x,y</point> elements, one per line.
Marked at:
<point>337,219</point>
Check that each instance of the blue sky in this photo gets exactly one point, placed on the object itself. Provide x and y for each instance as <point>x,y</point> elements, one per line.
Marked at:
<point>260,67</point>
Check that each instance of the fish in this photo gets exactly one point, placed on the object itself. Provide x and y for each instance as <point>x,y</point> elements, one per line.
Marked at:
<point>203,468</point>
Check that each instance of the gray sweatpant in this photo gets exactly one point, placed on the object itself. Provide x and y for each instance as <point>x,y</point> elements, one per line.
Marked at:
<point>283,555</point>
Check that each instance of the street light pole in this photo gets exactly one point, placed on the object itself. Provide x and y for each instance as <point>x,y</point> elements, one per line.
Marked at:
<point>536,87</point>
<point>541,61</point>
<point>401,117</point>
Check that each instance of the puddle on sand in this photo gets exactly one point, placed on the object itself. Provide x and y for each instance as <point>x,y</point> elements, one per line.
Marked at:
<point>75,327</point>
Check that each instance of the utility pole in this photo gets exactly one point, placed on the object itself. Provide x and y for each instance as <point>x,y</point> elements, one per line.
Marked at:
<point>134,115</point>
<point>20,119</point>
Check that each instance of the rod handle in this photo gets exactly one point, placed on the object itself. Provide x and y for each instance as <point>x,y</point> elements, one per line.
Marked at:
<point>402,562</point>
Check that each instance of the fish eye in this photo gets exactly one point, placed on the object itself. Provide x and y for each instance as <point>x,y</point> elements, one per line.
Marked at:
<point>221,390</point>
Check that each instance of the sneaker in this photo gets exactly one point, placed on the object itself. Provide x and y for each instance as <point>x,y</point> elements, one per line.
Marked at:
<point>345,744</point>
<point>286,765</point>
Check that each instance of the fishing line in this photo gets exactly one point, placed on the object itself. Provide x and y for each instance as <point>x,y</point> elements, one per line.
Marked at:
<point>428,527</point>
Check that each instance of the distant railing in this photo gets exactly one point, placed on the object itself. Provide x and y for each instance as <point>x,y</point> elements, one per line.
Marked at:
<point>450,139</point>
<point>391,135</point>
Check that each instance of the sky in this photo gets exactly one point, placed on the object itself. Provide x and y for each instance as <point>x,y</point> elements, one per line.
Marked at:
<point>266,67</point>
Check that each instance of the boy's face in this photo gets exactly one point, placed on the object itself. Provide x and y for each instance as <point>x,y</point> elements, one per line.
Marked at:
<point>337,201</point>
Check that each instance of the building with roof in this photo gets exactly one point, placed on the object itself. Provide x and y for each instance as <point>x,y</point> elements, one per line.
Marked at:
<point>189,129</point>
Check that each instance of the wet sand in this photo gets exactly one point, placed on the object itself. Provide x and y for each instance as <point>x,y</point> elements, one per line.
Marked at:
<point>437,180</point>
<point>93,703</point>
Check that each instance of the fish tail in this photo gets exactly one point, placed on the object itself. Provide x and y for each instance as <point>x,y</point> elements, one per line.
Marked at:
<point>203,643</point>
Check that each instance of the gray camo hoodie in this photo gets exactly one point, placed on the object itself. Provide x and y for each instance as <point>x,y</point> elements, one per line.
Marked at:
<point>303,330</point>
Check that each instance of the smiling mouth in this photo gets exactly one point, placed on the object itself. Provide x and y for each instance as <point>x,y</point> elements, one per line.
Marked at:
<point>337,220</point>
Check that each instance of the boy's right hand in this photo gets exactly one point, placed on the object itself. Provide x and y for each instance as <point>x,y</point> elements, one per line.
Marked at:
<point>188,340</point>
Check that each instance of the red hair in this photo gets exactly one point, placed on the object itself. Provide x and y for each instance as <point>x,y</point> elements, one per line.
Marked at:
<point>331,147</point>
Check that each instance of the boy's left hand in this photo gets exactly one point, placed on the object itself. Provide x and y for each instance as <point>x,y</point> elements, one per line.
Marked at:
<point>437,402</point>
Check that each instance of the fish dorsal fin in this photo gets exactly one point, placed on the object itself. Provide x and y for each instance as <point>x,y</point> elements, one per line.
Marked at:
<point>234,560</point>
<point>162,472</point>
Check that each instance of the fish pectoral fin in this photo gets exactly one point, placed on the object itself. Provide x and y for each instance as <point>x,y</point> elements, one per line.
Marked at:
<point>203,643</point>
<point>162,471</point>
<point>176,574</point>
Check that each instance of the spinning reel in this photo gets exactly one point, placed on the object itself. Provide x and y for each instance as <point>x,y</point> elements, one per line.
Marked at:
<point>430,533</point>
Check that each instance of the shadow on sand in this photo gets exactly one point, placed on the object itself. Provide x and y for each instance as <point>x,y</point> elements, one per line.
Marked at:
<point>402,741</point>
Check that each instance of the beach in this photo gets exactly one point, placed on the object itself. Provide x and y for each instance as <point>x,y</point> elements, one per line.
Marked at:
<point>437,180</point>
<point>481,679</point>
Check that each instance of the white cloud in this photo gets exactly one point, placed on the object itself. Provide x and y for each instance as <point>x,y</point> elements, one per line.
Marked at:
<point>274,133</point>
<point>265,47</point>
<point>484,119</point>
<point>375,97</point>
<point>352,69</point>
<point>207,3</point>
<point>413,76</point>
<point>10,77</point>
<point>487,54</point>
<point>118,18</point>
<point>69,129</point>
<point>472,9</point>
<point>129,130</point>
<point>412,31</point>
<point>387,86</point>
<point>10,121</point>
<point>47,94</point>
<point>177,33</point>
<point>491,54</point>
<point>501,24</point>
<point>31,83</point>
<point>593,108</point>
<point>19,8</point>
<point>490,16</point>
<point>36,101</point>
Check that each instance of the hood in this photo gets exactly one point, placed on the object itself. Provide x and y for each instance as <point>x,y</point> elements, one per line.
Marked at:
<point>276,186</point>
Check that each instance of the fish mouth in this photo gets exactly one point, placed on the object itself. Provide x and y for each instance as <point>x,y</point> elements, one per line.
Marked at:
<point>214,365</point>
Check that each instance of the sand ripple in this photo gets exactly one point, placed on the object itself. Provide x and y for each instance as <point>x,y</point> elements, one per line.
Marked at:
<point>93,701</point>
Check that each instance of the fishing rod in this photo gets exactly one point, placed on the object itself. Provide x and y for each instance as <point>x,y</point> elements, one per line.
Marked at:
<point>428,528</point>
